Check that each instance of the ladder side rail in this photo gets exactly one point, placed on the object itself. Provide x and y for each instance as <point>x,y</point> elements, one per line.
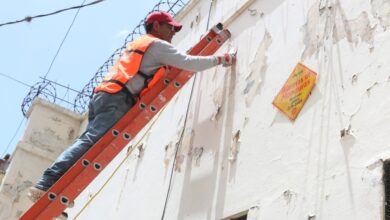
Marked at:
<point>106,156</point>
<point>78,167</point>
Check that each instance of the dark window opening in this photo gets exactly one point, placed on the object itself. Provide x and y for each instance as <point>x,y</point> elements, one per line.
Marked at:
<point>386,183</point>
<point>239,216</point>
<point>244,217</point>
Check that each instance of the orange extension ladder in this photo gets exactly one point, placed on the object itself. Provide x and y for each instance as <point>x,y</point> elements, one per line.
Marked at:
<point>83,172</point>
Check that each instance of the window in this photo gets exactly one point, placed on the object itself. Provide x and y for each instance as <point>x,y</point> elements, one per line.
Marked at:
<point>239,216</point>
<point>386,183</point>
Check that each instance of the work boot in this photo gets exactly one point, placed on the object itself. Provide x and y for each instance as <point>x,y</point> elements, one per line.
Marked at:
<point>34,194</point>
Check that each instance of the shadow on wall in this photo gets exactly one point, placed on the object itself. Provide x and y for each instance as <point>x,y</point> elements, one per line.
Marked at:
<point>205,194</point>
<point>197,192</point>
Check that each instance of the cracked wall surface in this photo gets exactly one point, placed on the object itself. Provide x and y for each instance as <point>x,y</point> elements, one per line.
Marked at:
<point>49,131</point>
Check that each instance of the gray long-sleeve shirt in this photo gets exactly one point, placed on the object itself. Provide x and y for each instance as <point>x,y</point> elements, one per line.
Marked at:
<point>161,53</point>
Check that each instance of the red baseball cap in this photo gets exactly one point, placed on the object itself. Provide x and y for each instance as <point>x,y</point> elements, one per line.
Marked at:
<point>162,16</point>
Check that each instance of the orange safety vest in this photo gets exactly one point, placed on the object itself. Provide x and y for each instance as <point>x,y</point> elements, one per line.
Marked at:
<point>128,66</point>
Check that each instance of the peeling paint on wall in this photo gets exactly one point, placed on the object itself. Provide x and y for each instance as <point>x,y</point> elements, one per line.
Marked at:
<point>253,213</point>
<point>140,150</point>
<point>258,67</point>
<point>178,162</point>
<point>355,30</point>
<point>197,154</point>
<point>13,193</point>
<point>129,150</point>
<point>329,22</point>
<point>318,170</point>
<point>290,197</point>
<point>45,139</point>
<point>218,103</point>
<point>186,142</point>
<point>71,134</point>
<point>381,11</point>
<point>346,132</point>
<point>167,156</point>
<point>234,147</point>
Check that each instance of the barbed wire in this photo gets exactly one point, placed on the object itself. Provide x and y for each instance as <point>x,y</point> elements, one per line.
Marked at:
<point>47,89</point>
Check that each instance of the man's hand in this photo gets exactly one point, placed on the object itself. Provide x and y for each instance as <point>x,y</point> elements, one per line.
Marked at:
<point>227,59</point>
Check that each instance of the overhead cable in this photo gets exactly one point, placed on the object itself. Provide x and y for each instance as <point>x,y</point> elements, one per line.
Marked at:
<point>11,78</point>
<point>63,40</point>
<point>30,18</point>
<point>179,144</point>
<point>13,137</point>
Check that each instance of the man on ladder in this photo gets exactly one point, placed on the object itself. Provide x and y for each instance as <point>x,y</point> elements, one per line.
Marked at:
<point>141,65</point>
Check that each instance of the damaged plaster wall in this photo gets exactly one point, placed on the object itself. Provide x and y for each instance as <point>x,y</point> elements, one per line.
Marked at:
<point>232,152</point>
<point>50,129</point>
<point>237,153</point>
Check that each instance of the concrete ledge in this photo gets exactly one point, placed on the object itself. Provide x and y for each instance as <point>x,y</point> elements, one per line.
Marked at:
<point>56,108</point>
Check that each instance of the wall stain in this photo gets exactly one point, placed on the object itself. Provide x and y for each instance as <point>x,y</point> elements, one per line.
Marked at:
<point>290,198</point>
<point>197,154</point>
<point>258,67</point>
<point>167,157</point>
<point>46,139</point>
<point>71,134</point>
<point>140,151</point>
<point>178,162</point>
<point>325,22</point>
<point>234,147</point>
<point>381,11</point>
<point>218,103</point>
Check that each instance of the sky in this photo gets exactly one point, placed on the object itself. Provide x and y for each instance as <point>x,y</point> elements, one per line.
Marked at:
<point>27,50</point>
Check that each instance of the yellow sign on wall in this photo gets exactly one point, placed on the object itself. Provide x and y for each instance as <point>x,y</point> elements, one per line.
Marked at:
<point>295,91</point>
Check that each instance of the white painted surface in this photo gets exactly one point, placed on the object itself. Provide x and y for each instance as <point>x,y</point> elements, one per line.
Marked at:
<point>278,169</point>
<point>251,157</point>
<point>238,153</point>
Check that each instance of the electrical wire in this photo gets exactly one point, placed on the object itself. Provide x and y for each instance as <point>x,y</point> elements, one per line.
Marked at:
<point>129,153</point>
<point>177,150</point>
<point>13,79</point>
<point>31,87</point>
<point>29,18</point>
<point>63,40</point>
<point>182,133</point>
<point>13,137</point>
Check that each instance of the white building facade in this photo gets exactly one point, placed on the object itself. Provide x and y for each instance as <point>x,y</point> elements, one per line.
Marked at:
<point>221,150</point>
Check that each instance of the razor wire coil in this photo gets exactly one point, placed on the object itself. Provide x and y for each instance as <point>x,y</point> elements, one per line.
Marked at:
<point>46,89</point>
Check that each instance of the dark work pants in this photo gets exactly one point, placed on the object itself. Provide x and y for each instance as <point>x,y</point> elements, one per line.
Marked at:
<point>104,111</point>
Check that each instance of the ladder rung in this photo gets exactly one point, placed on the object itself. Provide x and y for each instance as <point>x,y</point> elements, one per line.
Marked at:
<point>65,190</point>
